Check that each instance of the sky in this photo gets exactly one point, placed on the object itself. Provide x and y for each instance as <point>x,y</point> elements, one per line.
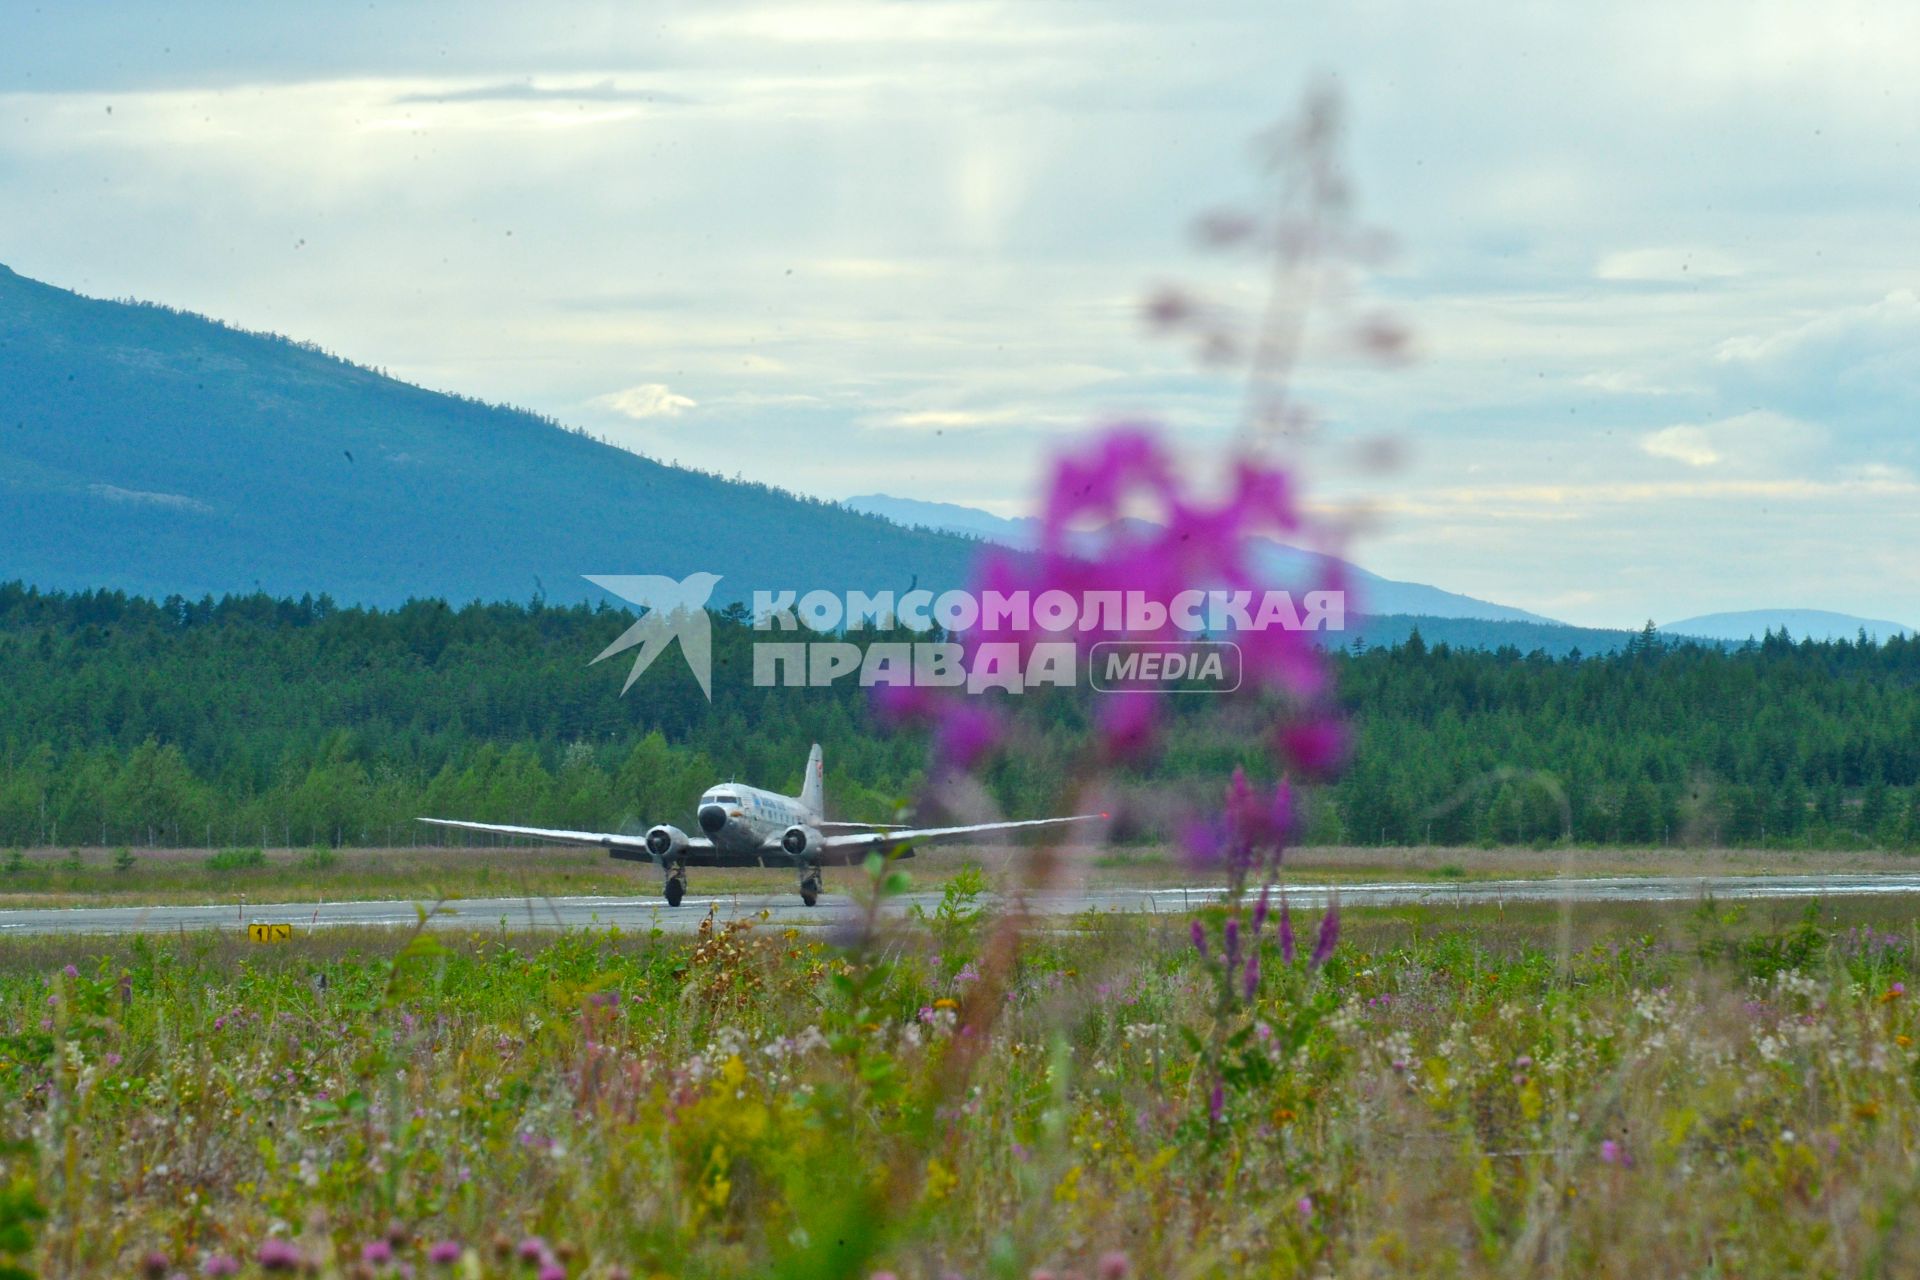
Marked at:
<point>1660,260</point>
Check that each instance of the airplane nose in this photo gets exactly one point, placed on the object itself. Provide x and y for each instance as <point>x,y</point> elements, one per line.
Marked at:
<point>712,818</point>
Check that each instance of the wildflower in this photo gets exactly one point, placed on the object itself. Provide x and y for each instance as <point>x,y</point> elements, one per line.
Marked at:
<point>1250,980</point>
<point>966,733</point>
<point>1328,937</point>
<point>279,1255</point>
<point>1304,1207</point>
<point>1904,1040</point>
<point>1216,1103</point>
<point>444,1253</point>
<point>1231,936</point>
<point>376,1253</point>
<point>883,1275</point>
<point>1894,992</point>
<point>553,1271</point>
<point>1318,747</point>
<point>532,1249</point>
<point>1127,723</point>
<point>1199,935</point>
<point>219,1264</point>
<point>71,972</point>
<point>154,1265</point>
<point>1114,1265</point>
<point>1286,931</point>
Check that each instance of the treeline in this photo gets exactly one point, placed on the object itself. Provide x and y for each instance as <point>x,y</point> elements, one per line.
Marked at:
<point>253,720</point>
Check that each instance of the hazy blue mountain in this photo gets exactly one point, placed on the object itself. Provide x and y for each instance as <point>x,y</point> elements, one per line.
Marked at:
<point>1555,639</point>
<point>1801,624</point>
<point>160,453</point>
<point>1376,596</point>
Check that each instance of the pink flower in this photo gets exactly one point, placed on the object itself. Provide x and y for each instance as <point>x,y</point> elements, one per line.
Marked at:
<point>1328,936</point>
<point>1114,1265</point>
<point>532,1249</point>
<point>1198,933</point>
<point>553,1271</point>
<point>279,1255</point>
<point>1250,981</point>
<point>1305,1206</point>
<point>444,1253</point>
<point>376,1253</point>
<point>219,1264</point>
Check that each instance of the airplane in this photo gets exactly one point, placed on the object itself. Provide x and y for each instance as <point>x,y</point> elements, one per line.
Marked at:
<point>748,827</point>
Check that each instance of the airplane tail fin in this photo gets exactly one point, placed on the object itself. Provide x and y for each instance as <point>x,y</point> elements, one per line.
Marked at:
<point>813,790</point>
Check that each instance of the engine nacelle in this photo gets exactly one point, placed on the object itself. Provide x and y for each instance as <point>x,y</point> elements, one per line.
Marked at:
<point>803,843</point>
<point>666,843</point>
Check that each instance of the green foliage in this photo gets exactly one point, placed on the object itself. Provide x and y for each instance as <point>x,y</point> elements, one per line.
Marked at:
<point>250,859</point>
<point>15,861</point>
<point>123,859</point>
<point>318,858</point>
<point>20,1210</point>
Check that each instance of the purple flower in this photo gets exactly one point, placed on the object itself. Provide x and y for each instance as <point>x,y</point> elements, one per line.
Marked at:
<point>71,972</point>
<point>279,1255</point>
<point>1260,909</point>
<point>444,1253</point>
<point>1304,1206</point>
<point>1199,935</point>
<point>1114,1265</point>
<point>1231,934</point>
<point>1328,936</point>
<point>553,1271</point>
<point>1216,1103</point>
<point>967,732</point>
<point>532,1249</point>
<point>1318,747</point>
<point>1286,931</point>
<point>219,1264</point>
<point>1128,722</point>
<point>376,1253</point>
<point>1250,982</point>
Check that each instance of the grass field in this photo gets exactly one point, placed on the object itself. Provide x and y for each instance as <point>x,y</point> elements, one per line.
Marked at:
<point>1629,1091</point>
<point>104,877</point>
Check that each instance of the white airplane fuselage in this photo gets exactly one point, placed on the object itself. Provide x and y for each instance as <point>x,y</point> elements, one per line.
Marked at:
<point>746,822</point>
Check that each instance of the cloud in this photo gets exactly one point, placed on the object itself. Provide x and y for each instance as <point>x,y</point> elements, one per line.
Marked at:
<point>1666,266</point>
<point>148,498</point>
<point>1756,441</point>
<point>648,400</point>
<point>527,91</point>
<point>1690,445</point>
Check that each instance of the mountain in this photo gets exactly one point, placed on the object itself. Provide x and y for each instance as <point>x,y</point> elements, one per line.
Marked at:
<point>1801,624</point>
<point>163,453</point>
<point>1376,597</point>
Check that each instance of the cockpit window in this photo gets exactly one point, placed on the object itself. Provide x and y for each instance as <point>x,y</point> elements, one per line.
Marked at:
<point>721,799</point>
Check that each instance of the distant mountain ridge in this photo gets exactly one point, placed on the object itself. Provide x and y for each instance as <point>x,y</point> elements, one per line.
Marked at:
<point>1376,597</point>
<point>1800,624</point>
<point>163,453</point>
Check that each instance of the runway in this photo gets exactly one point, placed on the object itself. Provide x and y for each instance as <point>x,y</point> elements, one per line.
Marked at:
<point>784,909</point>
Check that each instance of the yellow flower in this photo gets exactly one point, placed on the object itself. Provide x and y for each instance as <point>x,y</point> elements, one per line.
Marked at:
<point>945,1003</point>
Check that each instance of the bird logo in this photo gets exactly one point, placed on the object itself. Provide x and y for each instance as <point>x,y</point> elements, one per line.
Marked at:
<point>672,610</point>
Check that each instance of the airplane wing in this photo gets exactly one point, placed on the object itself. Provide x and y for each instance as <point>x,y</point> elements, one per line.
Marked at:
<point>932,835</point>
<point>598,839</point>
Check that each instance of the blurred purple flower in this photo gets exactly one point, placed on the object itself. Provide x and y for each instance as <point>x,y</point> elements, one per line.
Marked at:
<point>532,1249</point>
<point>1286,931</point>
<point>376,1253</point>
<point>1128,723</point>
<point>1260,909</point>
<point>553,1271</point>
<point>1250,982</point>
<point>279,1255</point>
<point>71,972</point>
<point>1231,940</point>
<point>1198,933</point>
<point>967,731</point>
<point>1216,1103</point>
<point>1318,747</point>
<point>1328,936</point>
<point>219,1264</point>
<point>1114,1265</point>
<point>1304,1206</point>
<point>444,1253</point>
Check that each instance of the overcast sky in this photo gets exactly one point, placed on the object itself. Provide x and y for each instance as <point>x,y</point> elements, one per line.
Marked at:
<point>1661,259</point>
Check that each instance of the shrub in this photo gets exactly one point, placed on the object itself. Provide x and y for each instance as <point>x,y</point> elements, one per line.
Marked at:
<point>237,860</point>
<point>16,862</point>
<point>318,858</point>
<point>123,859</point>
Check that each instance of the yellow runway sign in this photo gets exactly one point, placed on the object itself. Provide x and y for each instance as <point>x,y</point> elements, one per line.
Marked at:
<point>270,932</point>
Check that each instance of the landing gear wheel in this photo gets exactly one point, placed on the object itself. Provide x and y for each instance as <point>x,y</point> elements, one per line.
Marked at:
<point>810,890</point>
<point>676,889</point>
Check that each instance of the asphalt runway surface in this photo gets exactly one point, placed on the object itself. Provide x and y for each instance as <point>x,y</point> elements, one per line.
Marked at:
<point>645,912</point>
